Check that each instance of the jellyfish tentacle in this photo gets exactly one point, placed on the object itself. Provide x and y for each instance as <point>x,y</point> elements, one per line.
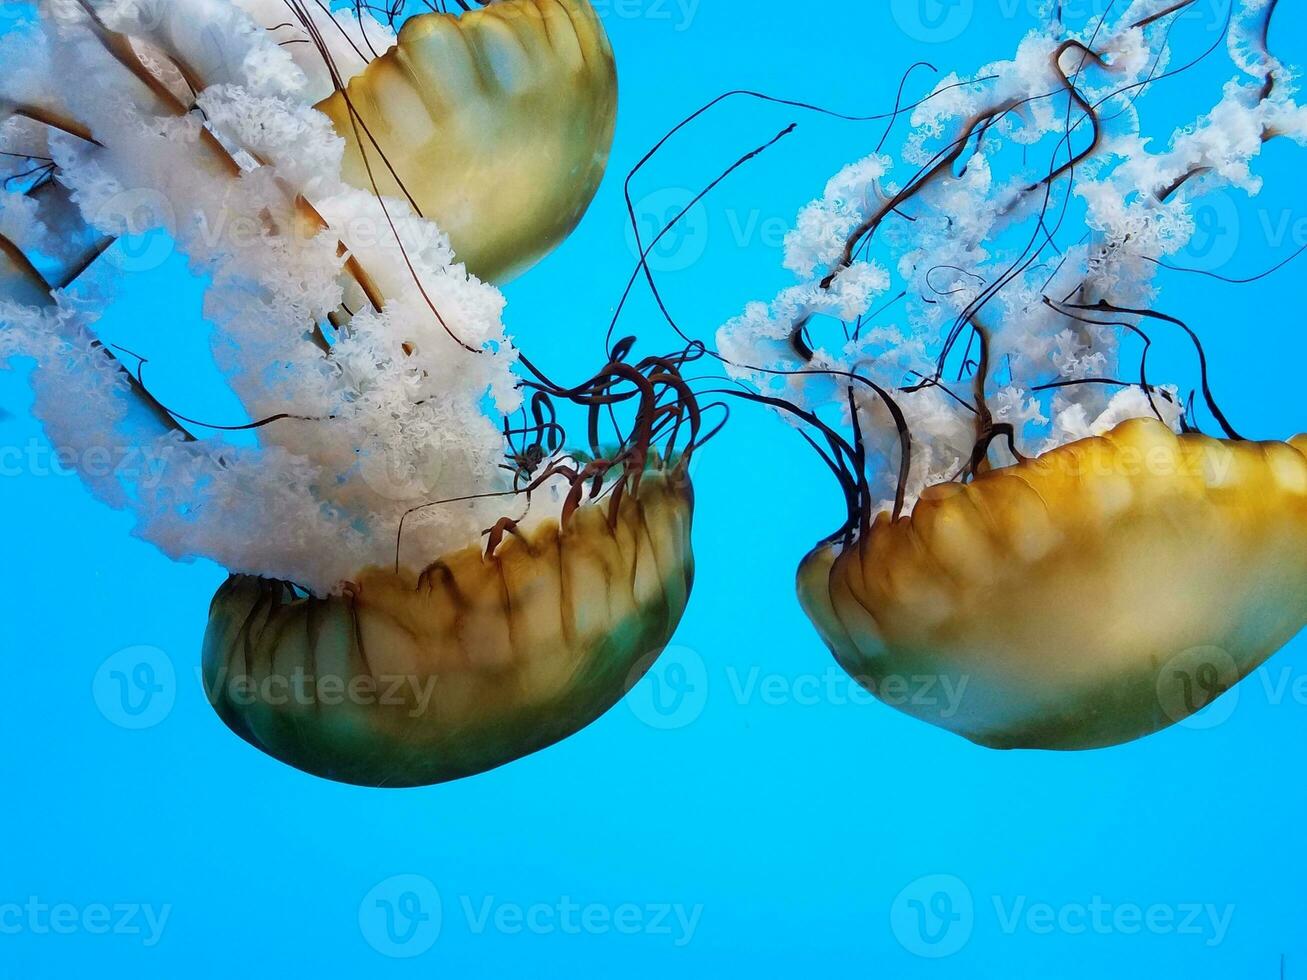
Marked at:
<point>22,284</point>
<point>20,281</point>
<point>1061,583</point>
<point>163,100</point>
<point>50,117</point>
<point>120,47</point>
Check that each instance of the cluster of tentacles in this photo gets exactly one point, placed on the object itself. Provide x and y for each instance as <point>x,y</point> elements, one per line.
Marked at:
<point>975,364</point>
<point>1074,595</point>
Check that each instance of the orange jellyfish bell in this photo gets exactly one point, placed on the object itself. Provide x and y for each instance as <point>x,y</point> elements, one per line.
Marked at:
<point>1100,593</point>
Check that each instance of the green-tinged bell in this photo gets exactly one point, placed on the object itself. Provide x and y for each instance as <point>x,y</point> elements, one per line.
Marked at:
<point>413,680</point>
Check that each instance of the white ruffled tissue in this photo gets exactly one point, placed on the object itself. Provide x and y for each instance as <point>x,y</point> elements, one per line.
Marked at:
<point>961,249</point>
<point>399,413</point>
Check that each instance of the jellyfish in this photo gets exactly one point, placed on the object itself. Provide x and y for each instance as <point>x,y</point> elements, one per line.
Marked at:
<point>1089,597</point>
<point>496,124</point>
<point>486,654</point>
<point>1032,520</point>
<point>430,574</point>
<point>410,676</point>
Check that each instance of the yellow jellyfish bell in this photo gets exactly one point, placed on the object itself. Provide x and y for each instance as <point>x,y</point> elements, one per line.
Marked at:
<point>481,659</point>
<point>496,124</point>
<point>1098,594</point>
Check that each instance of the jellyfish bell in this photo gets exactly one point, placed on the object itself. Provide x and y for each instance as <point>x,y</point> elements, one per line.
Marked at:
<point>480,659</point>
<point>496,123</point>
<point>1097,594</point>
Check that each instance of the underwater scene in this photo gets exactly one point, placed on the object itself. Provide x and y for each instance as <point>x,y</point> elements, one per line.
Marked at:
<point>587,488</point>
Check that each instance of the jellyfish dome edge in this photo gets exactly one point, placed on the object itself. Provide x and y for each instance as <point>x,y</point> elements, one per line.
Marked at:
<point>1078,600</point>
<point>479,660</point>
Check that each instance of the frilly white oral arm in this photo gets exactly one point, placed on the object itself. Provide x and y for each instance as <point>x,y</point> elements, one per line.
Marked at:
<point>942,236</point>
<point>244,176</point>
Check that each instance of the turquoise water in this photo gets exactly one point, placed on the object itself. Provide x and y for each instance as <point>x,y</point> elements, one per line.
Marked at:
<point>745,811</point>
